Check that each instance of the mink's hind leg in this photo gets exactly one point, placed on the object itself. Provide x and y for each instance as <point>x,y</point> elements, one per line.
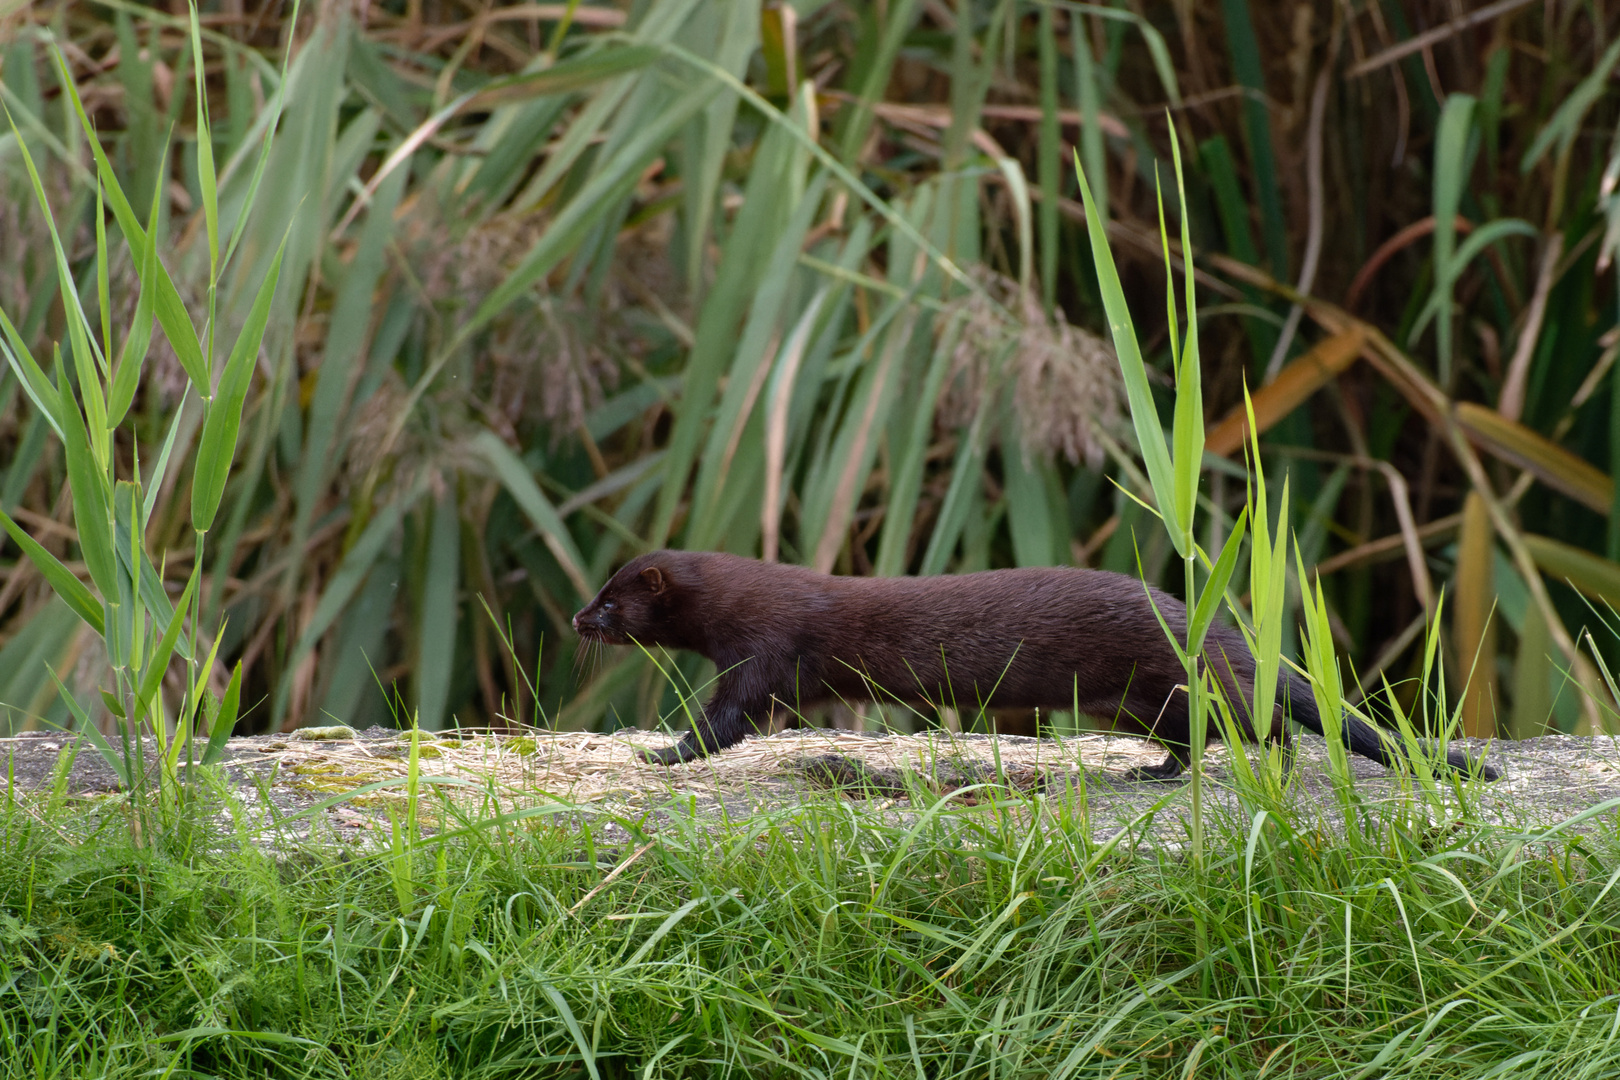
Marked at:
<point>1168,769</point>
<point>1169,729</point>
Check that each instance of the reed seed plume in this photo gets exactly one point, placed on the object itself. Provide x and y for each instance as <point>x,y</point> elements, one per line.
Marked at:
<point>1066,384</point>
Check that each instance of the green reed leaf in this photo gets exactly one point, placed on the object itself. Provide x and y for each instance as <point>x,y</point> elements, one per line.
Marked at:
<point>1451,166</point>
<point>92,512</point>
<point>120,766</point>
<point>514,475</point>
<point>1144,411</point>
<point>161,469</point>
<point>437,618</point>
<point>1188,432</point>
<point>62,581</point>
<point>207,180</point>
<point>158,664</point>
<point>1209,601</point>
<point>219,733</point>
<point>1566,121</point>
<point>103,288</point>
<point>170,309</point>
<point>343,584</point>
<point>89,364</point>
<point>35,383</point>
<point>224,413</point>
<point>138,338</point>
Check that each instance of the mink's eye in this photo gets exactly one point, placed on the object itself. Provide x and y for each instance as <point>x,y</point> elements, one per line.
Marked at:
<point>608,605</point>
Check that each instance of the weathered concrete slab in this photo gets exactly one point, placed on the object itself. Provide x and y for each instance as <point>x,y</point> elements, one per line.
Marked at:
<point>360,775</point>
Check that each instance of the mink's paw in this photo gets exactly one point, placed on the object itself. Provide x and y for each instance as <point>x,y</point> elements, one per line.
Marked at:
<point>1161,773</point>
<point>678,754</point>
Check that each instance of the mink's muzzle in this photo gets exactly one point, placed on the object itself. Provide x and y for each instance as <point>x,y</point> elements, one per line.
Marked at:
<point>595,623</point>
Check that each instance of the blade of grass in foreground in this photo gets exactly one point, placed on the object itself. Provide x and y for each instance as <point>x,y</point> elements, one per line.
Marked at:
<point>223,416</point>
<point>1144,413</point>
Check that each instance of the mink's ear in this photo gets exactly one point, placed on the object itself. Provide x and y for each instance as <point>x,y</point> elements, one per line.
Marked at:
<point>654,578</point>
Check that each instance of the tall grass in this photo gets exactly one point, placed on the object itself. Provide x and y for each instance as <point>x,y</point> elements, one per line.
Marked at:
<point>952,940</point>
<point>554,292</point>
<point>130,610</point>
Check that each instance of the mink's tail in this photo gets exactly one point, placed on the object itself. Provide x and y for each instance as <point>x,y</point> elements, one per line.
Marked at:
<point>1364,739</point>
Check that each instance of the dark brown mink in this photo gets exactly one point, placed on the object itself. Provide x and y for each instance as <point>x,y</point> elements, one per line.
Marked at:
<point>1046,637</point>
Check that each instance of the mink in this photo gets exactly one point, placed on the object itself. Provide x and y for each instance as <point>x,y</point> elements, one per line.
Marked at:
<point>1049,637</point>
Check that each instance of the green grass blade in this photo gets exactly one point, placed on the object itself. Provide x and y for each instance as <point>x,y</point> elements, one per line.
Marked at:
<point>1038,537</point>
<point>1466,252</point>
<point>605,188</point>
<point>436,637</point>
<point>1188,431</point>
<point>121,768</point>
<point>207,181</point>
<point>829,507</point>
<point>1566,121</point>
<point>186,724</point>
<point>1230,204</point>
<point>92,508</point>
<point>26,458</point>
<point>1268,581</point>
<point>154,483</point>
<point>1534,675</point>
<point>170,309</point>
<point>710,133</point>
<point>1088,77</point>
<point>127,626</point>
<point>1451,167</point>
<point>1323,666</point>
<point>158,664</point>
<point>87,357</point>
<point>40,645</point>
<point>1018,188</point>
<point>906,485</point>
<point>1220,577</point>
<point>1049,155</point>
<point>514,475</point>
<point>966,476</point>
<point>744,256</point>
<point>727,448</point>
<point>1144,412</point>
<point>570,75</point>
<point>35,383</point>
<point>354,645</point>
<point>1246,65</point>
<point>580,1042</point>
<point>225,722</point>
<point>578,137</point>
<point>138,338</point>
<point>223,421</point>
<point>89,364</point>
<point>272,117</point>
<point>326,426</point>
<point>154,596</point>
<point>103,288</point>
<point>898,18</point>
<point>62,581</point>
<point>350,575</point>
<point>1163,66</point>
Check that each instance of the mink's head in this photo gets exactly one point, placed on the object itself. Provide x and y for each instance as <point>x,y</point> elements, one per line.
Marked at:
<point>637,604</point>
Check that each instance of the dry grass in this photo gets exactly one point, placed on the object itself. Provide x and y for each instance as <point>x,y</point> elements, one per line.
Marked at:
<point>591,768</point>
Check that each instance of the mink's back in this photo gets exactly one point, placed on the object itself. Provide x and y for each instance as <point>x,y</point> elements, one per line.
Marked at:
<point>1037,636</point>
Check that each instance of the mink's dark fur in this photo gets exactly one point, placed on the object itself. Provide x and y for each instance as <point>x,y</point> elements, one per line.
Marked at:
<point>1043,637</point>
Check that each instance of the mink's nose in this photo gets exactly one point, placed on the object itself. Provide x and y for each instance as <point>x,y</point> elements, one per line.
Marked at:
<point>577,614</point>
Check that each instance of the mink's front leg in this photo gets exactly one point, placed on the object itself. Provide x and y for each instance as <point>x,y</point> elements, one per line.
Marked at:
<point>739,704</point>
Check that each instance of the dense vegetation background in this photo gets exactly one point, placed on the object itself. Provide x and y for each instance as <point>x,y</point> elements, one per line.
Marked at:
<point>566,282</point>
